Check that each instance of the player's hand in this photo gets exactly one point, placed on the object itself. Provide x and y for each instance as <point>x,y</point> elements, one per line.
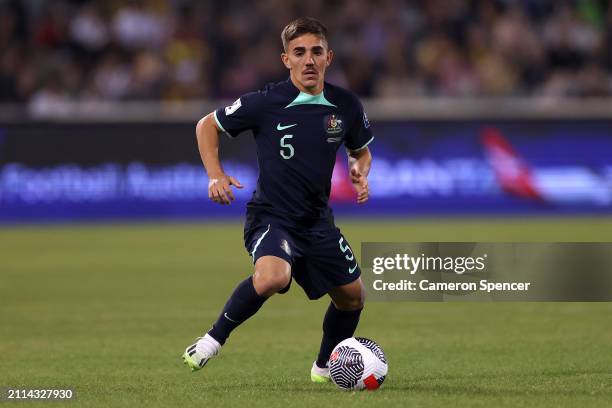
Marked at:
<point>360,183</point>
<point>219,189</point>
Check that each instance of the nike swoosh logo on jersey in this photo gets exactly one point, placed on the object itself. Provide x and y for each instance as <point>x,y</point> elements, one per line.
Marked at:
<point>334,139</point>
<point>351,270</point>
<point>281,127</point>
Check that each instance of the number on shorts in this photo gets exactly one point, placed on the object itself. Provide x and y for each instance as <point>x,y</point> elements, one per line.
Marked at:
<point>345,248</point>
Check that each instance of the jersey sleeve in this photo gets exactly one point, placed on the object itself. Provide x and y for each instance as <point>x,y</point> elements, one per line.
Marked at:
<point>242,115</point>
<point>360,132</point>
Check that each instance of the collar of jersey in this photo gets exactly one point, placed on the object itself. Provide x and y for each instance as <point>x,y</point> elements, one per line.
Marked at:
<point>304,98</point>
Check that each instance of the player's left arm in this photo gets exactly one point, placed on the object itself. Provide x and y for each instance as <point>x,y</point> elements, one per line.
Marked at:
<point>357,139</point>
<point>359,162</point>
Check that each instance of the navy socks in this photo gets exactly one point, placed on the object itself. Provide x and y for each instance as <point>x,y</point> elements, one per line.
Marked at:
<point>245,302</point>
<point>242,304</point>
<point>337,326</point>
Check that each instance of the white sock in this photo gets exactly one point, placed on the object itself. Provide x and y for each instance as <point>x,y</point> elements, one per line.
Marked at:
<point>208,345</point>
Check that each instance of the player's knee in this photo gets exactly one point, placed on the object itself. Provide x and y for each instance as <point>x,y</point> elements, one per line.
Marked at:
<point>273,281</point>
<point>350,298</point>
<point>278,280</point>
<point>352,303</point>
<point>270,280</point>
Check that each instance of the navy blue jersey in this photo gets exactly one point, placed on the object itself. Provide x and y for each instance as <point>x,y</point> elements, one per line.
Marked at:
<point>297,137</point>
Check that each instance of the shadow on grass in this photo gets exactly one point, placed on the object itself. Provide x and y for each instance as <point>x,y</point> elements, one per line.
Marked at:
<point>539,383</point>
<point>542,383</point>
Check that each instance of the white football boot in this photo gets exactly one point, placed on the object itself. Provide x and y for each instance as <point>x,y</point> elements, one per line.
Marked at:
<point>318,374</point>
<point>197,355</point>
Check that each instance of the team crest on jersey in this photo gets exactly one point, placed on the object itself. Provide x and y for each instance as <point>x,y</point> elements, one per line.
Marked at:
<point>233,107</point>
<point>333,124</point>
<point>285,247</point>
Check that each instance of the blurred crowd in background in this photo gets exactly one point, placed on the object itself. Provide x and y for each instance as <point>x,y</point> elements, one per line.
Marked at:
<point>182,50</point>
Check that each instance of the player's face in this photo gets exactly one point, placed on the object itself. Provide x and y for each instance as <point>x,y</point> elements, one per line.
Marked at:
<point>307,57</point>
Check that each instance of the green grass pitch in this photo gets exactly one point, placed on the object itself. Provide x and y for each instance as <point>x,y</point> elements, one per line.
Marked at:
<point>107,310</point>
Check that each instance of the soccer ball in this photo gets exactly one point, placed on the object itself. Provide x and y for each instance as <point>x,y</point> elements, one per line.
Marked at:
<point>357,363</point>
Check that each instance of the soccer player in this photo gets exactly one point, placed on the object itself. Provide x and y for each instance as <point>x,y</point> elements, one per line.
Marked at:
<point>298,126</point>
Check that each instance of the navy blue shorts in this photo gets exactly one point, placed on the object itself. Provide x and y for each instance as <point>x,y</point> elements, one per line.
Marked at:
<point>320,257</point>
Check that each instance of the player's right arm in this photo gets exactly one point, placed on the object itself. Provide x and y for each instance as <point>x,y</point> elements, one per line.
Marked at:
<point>240,116</point>
<point>207,133</point>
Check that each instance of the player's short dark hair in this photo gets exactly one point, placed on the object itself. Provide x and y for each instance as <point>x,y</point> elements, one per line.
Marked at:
<point>301,26</point>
